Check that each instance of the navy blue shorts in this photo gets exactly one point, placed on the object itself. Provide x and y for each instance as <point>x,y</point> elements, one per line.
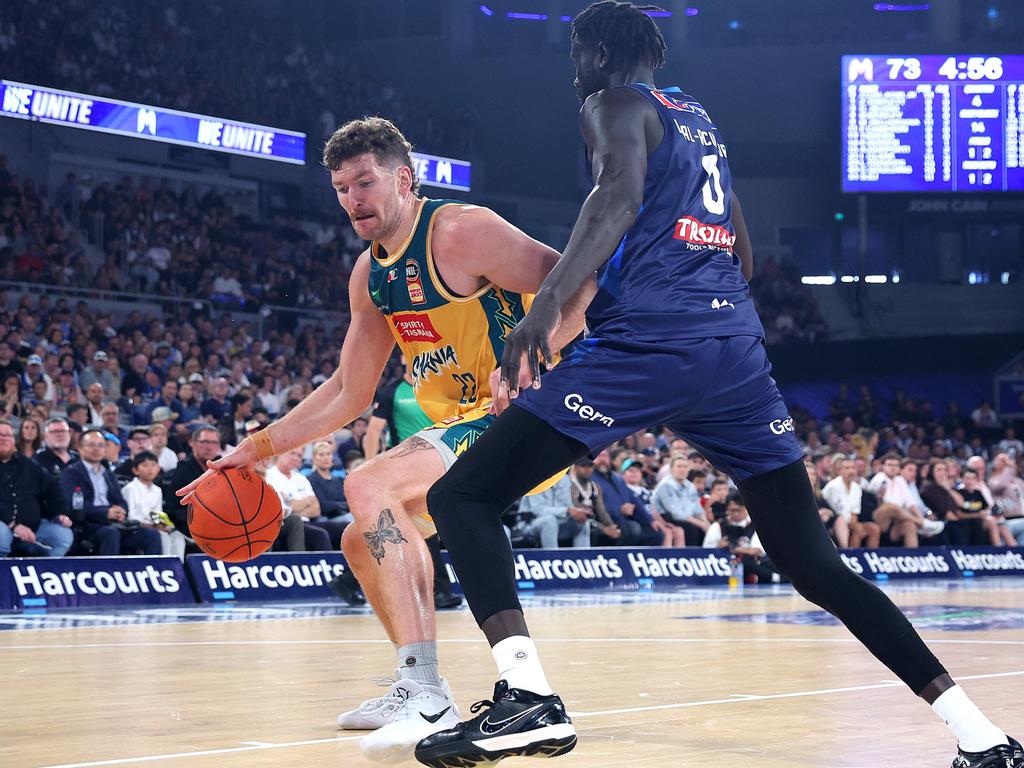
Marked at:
<point>718,394</point>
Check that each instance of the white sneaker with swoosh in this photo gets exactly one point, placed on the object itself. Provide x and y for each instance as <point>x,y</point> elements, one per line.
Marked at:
<point>421,711</point>
<point>380,711</point>
<point>516,723</point>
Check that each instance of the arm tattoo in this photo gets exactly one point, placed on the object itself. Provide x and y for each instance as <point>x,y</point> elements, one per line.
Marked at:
<point>385,531</point>
<point>408,447</point>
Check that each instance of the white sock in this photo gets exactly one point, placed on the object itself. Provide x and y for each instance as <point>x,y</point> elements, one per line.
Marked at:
<point>974,732</point>
<point>519,665</point>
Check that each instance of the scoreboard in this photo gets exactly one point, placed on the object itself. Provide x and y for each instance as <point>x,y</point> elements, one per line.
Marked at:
<point>945,123</point>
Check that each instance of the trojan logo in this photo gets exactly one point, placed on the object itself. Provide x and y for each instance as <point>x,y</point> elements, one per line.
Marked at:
<point>505,313</point>
<point>431,362</point>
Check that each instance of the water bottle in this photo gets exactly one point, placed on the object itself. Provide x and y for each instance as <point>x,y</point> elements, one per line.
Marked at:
<point>735,573</point>
<point>77,500</point>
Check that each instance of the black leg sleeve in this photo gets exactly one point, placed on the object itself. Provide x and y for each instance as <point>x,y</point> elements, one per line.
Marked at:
<point>517,453</point>
<point>785,515</point>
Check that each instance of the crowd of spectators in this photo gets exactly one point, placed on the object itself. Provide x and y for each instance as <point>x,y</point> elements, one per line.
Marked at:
<point>786,306</point>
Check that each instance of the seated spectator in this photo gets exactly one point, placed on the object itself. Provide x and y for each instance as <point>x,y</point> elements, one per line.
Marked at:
<point>1010,445</point>
<point>714,504</point>
<point>95,396</point>
<point>624,507</point>
<point>216,407</point>
<point>678,501</point>
<point>29,439</point>
<point>167,401</point>
<point>204,443</point>
<point>328,486</point>
<point>78,413</point>
<point>145,501</point>
<point>895,514</point>
<point>585,494</point>
<point>736,531</point>
<point>829,518</point>
<point>359,428</point>
<point>189,403</point>
<point>68,395</point>
<point>551,517</point>
<point>844,494</point>
<point>110,421</point>
<point>158,437</point>
<point>635,476</point>
<point>302,528</point>
<point>56,454</point>
<point>1007,489</point>
<point>984,417</point>
<point>232,427</point>
<point>977,464</point>
<point>100,372</point>
<point>138,442</point>
<point>11,406</point>
<point>112,452</point>
<point>33,512</point>
<point>102,512</point>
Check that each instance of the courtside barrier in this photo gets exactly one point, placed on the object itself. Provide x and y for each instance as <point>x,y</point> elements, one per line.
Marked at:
<point>41,583</point>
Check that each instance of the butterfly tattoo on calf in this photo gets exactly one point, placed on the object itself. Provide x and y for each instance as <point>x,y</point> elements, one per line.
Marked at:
<point>385,531</point>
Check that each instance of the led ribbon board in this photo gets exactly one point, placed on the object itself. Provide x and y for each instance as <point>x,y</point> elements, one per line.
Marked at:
<point>442,172</point>
<point>125,118</point>
<point>933,123</point>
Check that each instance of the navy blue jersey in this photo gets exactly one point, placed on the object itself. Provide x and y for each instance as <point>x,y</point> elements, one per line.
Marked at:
<point>674,276</point>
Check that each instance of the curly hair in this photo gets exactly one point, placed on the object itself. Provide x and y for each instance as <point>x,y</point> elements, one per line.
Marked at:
<point>628,32</point>
<point>370,134</point>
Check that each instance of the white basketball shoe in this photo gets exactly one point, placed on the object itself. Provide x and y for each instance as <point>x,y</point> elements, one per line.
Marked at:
<point>380,711</point>
<point>419,711</point>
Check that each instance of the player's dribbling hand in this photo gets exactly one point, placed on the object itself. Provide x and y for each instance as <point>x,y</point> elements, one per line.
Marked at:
<point>244,456</point>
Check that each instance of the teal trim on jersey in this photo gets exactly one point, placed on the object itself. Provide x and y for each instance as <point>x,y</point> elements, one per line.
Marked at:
<point>502,316</point>
<point>392,295</point>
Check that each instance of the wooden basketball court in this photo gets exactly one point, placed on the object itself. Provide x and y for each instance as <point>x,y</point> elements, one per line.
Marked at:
<point>658,680</point>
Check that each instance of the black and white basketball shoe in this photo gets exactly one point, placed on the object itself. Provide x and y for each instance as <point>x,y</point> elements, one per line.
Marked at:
<point>516,723</point>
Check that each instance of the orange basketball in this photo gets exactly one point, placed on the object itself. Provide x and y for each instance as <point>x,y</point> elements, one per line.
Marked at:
<point>234,515</point>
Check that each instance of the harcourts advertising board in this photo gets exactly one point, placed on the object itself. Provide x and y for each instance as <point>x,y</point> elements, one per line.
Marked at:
<point>36,583</point>
<point>622,567</point>
<point>273,576</point>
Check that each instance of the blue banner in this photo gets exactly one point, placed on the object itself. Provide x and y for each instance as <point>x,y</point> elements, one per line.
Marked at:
<point>271,576</point>
<point>140,121</point>
<point>71,582</point>
<point>442,172</point>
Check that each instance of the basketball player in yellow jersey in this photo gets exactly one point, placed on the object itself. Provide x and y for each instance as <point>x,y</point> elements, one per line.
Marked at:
<point>446,281</point>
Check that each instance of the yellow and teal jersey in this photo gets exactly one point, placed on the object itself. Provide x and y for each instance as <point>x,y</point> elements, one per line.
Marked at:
<point>451,343</point>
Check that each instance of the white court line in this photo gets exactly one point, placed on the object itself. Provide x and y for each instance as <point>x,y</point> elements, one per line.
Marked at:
<point>204,753</point>
<point>732,638</point>
<point>735,699</point>
<point>796,694</point>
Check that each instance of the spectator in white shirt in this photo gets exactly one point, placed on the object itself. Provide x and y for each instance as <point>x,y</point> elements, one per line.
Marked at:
<point>146,504</point>
<point>158,436</point>
<point>891,514</point>
<point>298,504</point>
<point>1010,444</point>
<point>983,417</point>
<point>843,494</point>
<point>678,501</point>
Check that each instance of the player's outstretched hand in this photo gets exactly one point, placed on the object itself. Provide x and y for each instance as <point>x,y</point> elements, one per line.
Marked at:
<point>244,456</point>
<point>529,340</point>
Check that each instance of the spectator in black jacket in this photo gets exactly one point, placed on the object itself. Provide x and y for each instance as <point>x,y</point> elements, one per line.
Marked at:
<point>205,445</point>
<point>56,455</point>
<point>33,519</point>
<point>232,426</point>
<point>103,509</point>
<point>329,488</point>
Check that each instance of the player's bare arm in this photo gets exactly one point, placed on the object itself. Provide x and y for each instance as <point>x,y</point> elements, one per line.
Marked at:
<point>344,396</point>
<point>479,246</point>
<point>614,123</point>
<point>742,247</point>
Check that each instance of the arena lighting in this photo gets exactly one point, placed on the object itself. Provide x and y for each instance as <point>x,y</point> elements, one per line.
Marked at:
<point>875,279</point>
<point>850,279</point>
<point>527,16</point>
<point>1004,278</point>
<point>818,279</point>
<point>659,14</point>
<point>486,11</point>
<point>895,277</point>
<point>894,7</point>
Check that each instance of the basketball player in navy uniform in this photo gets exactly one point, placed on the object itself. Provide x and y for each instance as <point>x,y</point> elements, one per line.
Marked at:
<point>673,320</point>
